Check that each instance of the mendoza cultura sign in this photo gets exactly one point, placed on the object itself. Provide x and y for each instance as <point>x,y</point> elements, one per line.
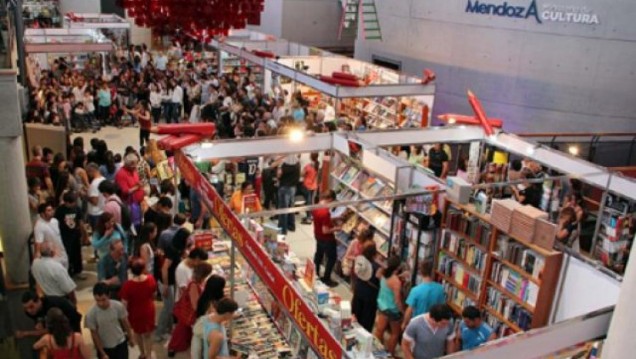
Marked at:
<point>545,13</point>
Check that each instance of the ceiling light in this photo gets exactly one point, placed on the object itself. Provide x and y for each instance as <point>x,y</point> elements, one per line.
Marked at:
<point>296,135</point>
<point>574,150</point>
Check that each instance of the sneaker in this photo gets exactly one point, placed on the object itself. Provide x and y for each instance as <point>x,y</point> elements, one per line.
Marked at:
<point>306,221</point>
<point>330,283</point>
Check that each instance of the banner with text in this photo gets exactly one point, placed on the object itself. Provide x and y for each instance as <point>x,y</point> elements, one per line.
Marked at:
<point>315,331</point>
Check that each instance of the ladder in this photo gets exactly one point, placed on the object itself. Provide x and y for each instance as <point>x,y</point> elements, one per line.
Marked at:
<point>354,11</point>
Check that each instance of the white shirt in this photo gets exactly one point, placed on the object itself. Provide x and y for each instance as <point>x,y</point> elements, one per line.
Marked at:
<point>177,95</point>
<point>278,112</point>
<point>155,99</point>
<point>227,101</point>
<point>50,232</point>
<point>330,113</point>
<point>182,276</point>
<point>93,191</point>
<point>160,62</point>
<point>52,277</point>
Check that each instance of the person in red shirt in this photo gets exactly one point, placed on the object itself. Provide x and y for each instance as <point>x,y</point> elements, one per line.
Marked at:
<point>310,184</point>
<point>326,245</point>
<point>130,187</point>
<point>142,114</point>
<point>37,168</point>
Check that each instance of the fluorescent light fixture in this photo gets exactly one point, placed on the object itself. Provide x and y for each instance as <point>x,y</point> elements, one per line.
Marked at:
<point>296,135</point>
<point>530,150</point>
<point>452,120</point>
<point>207,145</point>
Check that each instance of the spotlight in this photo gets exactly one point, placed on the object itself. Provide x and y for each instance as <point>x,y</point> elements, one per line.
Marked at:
<point>574,150</point>
<point>296,135</point>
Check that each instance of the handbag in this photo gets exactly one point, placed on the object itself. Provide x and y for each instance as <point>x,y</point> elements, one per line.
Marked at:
<point>183,310</point>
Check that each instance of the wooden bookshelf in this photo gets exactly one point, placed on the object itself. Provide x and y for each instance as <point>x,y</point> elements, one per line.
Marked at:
<point>501,318</point>
<point>466,223</point>
<point>466,291</point>
<point>468,267</point>
<point>512,296</point>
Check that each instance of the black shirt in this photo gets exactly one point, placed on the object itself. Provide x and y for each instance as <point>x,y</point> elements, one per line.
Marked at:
<point>175,258</point>
<point>436,160</point>
<point>160,219</point>
<point>249,166</point>
<point>70,222</point>
<point>48,302</point>
<point>290,175</point>
<point>370,288</point>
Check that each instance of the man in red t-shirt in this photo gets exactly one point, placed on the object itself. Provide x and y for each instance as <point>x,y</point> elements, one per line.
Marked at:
<point>324,231</point>
<point>37,168</point>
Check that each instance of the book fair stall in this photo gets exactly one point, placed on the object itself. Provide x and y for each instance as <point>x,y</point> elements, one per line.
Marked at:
<point>493,253</point>
<point>114,27</point>
<point>349,88</point>
<point>81,47</point>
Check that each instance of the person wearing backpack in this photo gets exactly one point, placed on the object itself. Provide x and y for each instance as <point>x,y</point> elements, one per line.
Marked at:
<point>366,286</point>
<point>61,342</point>
<point>117,208</point>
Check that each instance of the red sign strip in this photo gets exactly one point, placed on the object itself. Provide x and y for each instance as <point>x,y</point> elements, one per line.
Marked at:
<point>319,337</point>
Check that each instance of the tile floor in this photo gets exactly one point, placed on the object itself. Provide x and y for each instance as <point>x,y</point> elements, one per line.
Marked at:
<point>301,241</point>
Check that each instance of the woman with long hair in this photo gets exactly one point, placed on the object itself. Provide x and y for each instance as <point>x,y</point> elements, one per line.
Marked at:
<point>61,342</point>
<point>390,305</point>
<point>146,245</point>
<point>185,309</point>
<point>106,231</point>
<point>138,294</point>
<point>213,292</point>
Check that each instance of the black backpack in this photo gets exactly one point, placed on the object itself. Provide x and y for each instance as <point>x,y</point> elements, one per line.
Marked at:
<point>126,216</point>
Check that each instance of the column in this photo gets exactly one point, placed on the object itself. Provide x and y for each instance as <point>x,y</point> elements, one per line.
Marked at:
<point>620,338</point>
<point>15,221</point>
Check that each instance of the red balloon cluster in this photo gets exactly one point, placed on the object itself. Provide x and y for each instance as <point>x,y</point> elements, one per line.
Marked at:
<point>213,17</point>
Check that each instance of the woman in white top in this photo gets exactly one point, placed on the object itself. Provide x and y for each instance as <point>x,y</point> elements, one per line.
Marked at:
<point>155,103</point>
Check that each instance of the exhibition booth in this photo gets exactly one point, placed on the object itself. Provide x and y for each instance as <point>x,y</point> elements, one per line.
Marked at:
<point>522,280</point>
<point>353,89</point>
<point>114,27</point>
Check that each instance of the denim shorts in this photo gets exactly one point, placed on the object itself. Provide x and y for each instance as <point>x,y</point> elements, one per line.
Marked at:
<point>392,315</point>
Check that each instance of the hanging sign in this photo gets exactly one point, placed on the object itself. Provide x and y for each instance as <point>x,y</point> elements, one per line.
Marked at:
<point>318,336</point>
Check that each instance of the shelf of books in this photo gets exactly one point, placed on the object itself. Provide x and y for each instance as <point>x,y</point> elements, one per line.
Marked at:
<point>385,112</point>
<point>353,181</point>
<point>512,280</point>
<point>614,236</point>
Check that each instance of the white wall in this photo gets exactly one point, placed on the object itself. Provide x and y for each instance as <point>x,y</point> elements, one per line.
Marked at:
<point>309,22</point>
<point>139,35</point>
<point>537,77</point>
<point>271,19</point>
<point>86,6</point>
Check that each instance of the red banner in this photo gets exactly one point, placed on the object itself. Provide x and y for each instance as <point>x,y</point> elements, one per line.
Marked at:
<point>320,338</point>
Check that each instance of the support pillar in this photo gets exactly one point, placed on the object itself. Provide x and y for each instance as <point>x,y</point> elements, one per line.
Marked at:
<point>15,221</point>
<point>620,338</point>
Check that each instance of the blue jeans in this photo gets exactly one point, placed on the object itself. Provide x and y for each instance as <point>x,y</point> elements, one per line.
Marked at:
<point>286,195</point>
<point>164,324</point>
<point>175,112</point>
<point>308,194</point>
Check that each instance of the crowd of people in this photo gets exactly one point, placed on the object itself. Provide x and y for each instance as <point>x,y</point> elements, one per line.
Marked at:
<point>142,246</point>
<point>143,88</point>
<point>141,240</point>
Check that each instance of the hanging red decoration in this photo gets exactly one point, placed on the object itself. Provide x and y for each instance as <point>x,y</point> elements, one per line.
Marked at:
<point>194,16</point>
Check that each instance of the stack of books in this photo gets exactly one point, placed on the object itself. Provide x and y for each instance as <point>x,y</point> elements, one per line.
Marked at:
<point>523,222</point>
<point>501,215</point>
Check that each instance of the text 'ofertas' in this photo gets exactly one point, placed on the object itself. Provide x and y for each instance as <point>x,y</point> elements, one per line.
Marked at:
<point>552,13</point>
